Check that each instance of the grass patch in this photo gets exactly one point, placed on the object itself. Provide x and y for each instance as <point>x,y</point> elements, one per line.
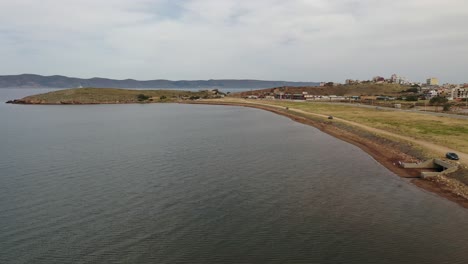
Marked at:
<point>450,132</point>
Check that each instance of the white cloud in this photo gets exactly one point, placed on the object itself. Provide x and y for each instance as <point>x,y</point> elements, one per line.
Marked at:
<point>266,39</point>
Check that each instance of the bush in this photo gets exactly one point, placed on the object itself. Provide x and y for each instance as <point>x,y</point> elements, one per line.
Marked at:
<point>411,98</point>
<point>163,97</point>
<point>447,107</point>
<point>438,100</point>
<point>142,97</point>
<point>412,90</point>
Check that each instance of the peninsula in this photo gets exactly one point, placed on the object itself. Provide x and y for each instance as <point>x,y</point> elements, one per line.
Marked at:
<point>113,96</point>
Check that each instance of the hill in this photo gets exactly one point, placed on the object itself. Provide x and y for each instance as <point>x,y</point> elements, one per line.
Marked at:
<point>57,81</point>
<point>110,96</point>
<point>340,90</point>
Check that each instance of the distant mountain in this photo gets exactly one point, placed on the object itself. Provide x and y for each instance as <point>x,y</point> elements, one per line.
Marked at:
<point>57,81</point>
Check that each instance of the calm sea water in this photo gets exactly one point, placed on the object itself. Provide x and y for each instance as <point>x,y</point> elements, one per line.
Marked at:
<point>168,183</point>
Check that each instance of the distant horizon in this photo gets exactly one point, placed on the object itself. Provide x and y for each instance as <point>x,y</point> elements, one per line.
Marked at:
<point>62,81</point>
<point>225,79</point>
<point>155,79</point>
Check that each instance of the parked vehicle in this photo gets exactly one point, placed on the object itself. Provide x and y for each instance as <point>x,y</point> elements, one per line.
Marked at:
<point>452,156</point>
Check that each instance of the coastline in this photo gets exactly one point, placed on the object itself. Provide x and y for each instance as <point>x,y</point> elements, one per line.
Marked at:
<point>386,152</point>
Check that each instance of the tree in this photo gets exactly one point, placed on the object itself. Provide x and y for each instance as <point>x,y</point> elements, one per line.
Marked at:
<point>438,100</point>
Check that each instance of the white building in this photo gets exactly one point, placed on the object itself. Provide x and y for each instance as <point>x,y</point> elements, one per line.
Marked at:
<point>459,93</point>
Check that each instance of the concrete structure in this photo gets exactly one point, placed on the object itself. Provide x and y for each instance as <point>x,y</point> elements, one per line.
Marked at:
<point>351,81</point>
<point>432,81</point>
<point>439,164</point>
<point>459,93</point>
<point>398,79</point>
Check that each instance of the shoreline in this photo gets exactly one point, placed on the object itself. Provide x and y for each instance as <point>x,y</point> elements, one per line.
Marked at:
<point>382,150</point>
<point>387,152</point>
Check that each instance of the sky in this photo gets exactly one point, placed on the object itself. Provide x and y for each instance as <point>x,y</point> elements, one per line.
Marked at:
<point>293,40</point>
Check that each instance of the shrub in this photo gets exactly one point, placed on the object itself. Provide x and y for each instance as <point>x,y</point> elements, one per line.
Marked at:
<point>411,98</point>
<point>412,90</point>
<point>162,97</point>
<point>438,100</point>
<point>142,97</point>
<point>447,107</point>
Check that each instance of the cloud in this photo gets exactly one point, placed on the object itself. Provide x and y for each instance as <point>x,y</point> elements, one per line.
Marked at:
<point>263,39</point>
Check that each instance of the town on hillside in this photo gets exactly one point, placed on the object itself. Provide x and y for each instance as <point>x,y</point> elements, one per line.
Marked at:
<point>395,92</point>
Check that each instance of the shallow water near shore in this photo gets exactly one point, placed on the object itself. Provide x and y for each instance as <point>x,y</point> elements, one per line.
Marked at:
<point>168,183</point>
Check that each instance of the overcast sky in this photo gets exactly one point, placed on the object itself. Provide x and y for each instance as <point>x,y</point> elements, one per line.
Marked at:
<point>295,40</point>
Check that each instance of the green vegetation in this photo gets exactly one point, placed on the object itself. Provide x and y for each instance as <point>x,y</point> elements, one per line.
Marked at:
<point>445,131</point>
<point>438,100</point>
<point>447,107</point>
<point>411,98</point>
<point>142,97</point>
<point>412,90</point>
<point>110,96</point>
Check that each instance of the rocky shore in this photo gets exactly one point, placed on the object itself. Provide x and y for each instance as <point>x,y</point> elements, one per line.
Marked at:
<point>69,102</point>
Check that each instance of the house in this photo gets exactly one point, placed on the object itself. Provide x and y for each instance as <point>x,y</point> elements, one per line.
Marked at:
<point>431,93</point>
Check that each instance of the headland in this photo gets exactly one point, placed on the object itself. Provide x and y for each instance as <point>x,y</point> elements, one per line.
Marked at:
<point>78,96</point>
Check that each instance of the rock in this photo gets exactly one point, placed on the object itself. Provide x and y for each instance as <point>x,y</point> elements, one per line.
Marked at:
<point>17,101</point>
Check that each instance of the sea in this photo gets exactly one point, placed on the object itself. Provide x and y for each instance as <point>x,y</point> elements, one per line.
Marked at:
<point>175,183</point>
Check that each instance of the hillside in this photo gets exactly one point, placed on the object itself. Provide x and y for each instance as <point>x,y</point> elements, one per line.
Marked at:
<point>109,96</point>
<point>341,90</point>
<point>57,81</point>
